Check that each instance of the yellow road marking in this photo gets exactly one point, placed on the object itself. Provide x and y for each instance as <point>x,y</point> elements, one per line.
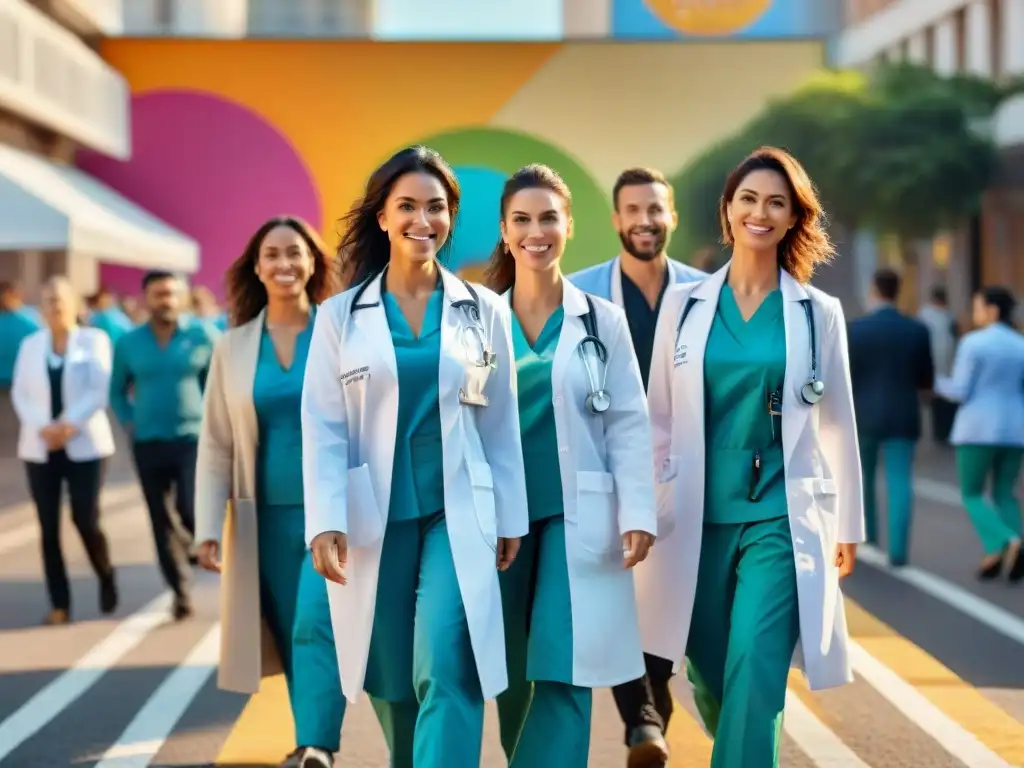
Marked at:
<point>993,726</point>
<point>690,746</point>
<point>264,731</point>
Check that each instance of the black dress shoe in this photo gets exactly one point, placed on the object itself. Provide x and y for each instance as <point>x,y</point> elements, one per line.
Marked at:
<point>647,748</point>
<point>182,609</point>
<point>1015,573</point>
<point>993,569</point>
<point>108,594</point>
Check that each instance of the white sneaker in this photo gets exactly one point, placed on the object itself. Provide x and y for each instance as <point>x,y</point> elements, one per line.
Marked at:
<point>313,757</point>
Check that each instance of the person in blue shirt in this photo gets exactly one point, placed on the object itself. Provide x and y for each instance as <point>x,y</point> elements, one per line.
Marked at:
<point>988,430</point>
<point>250,448</point>
<point>107,316</point>
<point>156,391</point>
<point>636,280</point>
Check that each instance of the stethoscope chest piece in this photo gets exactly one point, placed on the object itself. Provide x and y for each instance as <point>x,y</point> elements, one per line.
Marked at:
<point>812,391</point>
<point>598,401</point>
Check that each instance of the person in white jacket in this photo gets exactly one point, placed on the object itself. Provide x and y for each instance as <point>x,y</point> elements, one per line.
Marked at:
<point>570,606</point>
<point>412,467</point>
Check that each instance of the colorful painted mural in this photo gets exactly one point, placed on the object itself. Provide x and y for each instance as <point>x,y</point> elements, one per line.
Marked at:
<point>227,134</point>
<point>735,19</point>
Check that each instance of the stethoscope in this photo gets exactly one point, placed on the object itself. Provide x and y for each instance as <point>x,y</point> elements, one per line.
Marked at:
<point>594,355</point>
<point>480,355</point>
<point>814,389</point>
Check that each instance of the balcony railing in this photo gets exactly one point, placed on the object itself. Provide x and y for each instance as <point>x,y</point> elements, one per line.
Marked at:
<point>101,17</point>
<point>50,77</point>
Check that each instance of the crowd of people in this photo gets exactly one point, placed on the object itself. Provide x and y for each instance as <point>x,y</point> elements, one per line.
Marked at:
<point>439,492</point>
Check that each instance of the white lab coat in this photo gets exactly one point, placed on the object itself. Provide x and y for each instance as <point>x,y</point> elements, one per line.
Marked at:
<point>605,279</point>
<point>349,422</point>
<point>85,389</point>
<point>988,382</point>
<point>607,490</point>
<point>822,474</point>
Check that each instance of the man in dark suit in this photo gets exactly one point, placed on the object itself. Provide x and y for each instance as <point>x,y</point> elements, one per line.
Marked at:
<point>891,366</point>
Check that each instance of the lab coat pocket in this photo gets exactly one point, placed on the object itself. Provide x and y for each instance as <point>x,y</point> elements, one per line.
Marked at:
<point>596,510</point>
<point>365,526</point>
<point>483,501</point>
<point>814,506</point>
<point>665,490</point>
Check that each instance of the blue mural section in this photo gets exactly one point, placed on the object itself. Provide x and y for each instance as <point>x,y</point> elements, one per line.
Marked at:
<point>724,19</point>
<point>476,226</point>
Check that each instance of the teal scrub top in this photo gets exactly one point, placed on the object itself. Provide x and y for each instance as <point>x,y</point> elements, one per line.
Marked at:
<point>166,383</point>
<point>15,325</point>
<point>537,417</point>
<point>277,395</point>
<point>642,319</point>
<point>417,479</point>
<point>744,363</point>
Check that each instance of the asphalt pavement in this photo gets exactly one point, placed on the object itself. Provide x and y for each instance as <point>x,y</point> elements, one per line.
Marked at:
<point>938,657</point>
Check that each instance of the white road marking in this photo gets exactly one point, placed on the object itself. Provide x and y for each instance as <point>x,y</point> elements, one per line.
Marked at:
<point>815,739</point>
<point>140,742</point>
<point>981,610</point>
<point>35,713</point>
<point>953,737</point>
<point>28,533</point>
<point>938,491</point>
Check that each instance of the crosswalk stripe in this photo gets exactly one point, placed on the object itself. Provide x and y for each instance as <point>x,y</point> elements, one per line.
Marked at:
<point>155,721</point>
<point>689,744</point>
<point>957,716</point>
<point>48,703</point>
<point>815,739</point>
<point>264,731</point>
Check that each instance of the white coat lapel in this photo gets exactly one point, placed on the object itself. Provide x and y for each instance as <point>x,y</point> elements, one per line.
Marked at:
<point>615,289</point>
<point>454,321</point>
<point>372,323</point>
<point>574,306</point>
<point>692,342</point>
<point>798,363</point>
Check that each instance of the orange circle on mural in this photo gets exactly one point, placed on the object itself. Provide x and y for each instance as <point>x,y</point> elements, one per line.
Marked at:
<point>709,17</point>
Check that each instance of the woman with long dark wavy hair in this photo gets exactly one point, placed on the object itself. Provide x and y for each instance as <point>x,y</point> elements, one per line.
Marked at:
<point>250,468</point>
<point>758,468</point>
<point>570,608</point>
<point>415,494</point>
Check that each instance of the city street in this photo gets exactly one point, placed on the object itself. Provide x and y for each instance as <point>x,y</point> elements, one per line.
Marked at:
<point>937,656</point>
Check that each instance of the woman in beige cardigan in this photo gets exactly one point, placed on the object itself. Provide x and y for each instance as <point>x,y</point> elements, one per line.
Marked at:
<point>250,457</point>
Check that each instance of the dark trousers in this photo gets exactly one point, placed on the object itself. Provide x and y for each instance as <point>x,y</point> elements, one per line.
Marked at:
<point>164,465</point>
<point>943,412</point>
<point>647,701</point>
<point>46,484</point>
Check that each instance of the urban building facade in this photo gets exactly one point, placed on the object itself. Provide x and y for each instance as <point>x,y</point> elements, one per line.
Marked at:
<point>57,97</point>
<point>980,37</point>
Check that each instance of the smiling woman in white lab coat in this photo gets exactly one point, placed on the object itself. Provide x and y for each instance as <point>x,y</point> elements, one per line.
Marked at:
<point>570,610</point>
<point>988,430</point>
<point>412,467</point>
<point>759,480</point>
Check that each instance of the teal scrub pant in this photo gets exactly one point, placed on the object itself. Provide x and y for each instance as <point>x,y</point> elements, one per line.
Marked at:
<point>1000,524</point>
<point>743,633</point>
<point>294,602</point>
<point>543,718</point>
<point>898,457</point>
<point>421,672</point>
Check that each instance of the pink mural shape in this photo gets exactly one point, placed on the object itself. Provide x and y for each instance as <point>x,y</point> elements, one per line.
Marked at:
<point>211,168</point>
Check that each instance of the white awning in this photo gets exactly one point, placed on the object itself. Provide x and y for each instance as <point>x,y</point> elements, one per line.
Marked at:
<point>46,206</point>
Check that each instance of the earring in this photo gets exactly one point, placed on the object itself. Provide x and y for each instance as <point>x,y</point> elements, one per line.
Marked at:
<point>507,250</point>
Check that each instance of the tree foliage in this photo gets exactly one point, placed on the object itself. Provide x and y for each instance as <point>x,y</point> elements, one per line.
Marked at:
<point>902,152</point>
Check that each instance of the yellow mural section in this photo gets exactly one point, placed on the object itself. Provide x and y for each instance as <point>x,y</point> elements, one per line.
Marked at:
<point>708,17</point>
<point>345,107</point>
<point>616,105</point>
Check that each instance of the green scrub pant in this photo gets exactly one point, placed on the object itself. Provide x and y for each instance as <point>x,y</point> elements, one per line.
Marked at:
<point>544,719</point>
<point>1000,524</point>
<point>420,634</point>
<point>898,457</point>
<point>743,633</point>
<point>294,602</point>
